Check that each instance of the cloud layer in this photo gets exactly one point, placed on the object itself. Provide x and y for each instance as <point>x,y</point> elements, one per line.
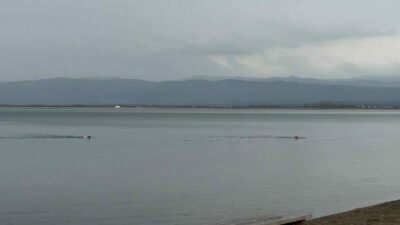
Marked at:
<point>175,39</point>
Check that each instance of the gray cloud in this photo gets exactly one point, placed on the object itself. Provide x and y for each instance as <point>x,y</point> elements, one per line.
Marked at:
<point>282,36</point>
<point>174,39</point>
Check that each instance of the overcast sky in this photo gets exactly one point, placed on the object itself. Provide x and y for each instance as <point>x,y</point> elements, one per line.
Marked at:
<point>174,39</point>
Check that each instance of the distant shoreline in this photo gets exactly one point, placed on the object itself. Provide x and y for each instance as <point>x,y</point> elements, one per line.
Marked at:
<point>210,107</point>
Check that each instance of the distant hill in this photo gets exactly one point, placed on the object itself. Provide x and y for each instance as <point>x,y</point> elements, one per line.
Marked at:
<point>365,81</point>
<point>227,92</point>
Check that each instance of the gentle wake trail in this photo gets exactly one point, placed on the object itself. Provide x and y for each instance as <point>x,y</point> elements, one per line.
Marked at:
<point>45,137</point>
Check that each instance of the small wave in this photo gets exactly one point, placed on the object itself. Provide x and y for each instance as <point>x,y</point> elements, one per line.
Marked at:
<point>257,220</point>
<point>265,219</point>
<point>45,137</point>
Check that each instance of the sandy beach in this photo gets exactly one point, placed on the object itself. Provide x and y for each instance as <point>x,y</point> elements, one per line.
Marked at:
<point>382,214</point>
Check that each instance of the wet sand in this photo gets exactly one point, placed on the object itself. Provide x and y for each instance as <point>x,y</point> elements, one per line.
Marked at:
<point>382,214</point>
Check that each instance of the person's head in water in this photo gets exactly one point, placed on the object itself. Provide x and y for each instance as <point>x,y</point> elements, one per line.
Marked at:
<point>296,137</point>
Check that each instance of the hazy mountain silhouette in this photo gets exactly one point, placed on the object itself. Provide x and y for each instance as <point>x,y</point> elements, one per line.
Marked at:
<point>368,81</point>
<point>229,92</point>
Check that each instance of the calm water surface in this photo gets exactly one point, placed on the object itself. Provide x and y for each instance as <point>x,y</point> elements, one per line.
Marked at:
<point>192,166</point>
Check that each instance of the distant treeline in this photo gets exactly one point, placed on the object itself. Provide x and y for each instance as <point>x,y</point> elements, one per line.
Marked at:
<point>330,105</point>
<point>319,105</point>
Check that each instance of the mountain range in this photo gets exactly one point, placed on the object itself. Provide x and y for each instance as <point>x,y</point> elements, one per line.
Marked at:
<point>201,91</point>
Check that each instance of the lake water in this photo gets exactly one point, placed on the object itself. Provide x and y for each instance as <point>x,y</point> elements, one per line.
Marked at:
<point>149,166</point>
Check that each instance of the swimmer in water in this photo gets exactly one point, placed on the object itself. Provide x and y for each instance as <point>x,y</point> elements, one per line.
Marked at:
<point>87,137</point>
